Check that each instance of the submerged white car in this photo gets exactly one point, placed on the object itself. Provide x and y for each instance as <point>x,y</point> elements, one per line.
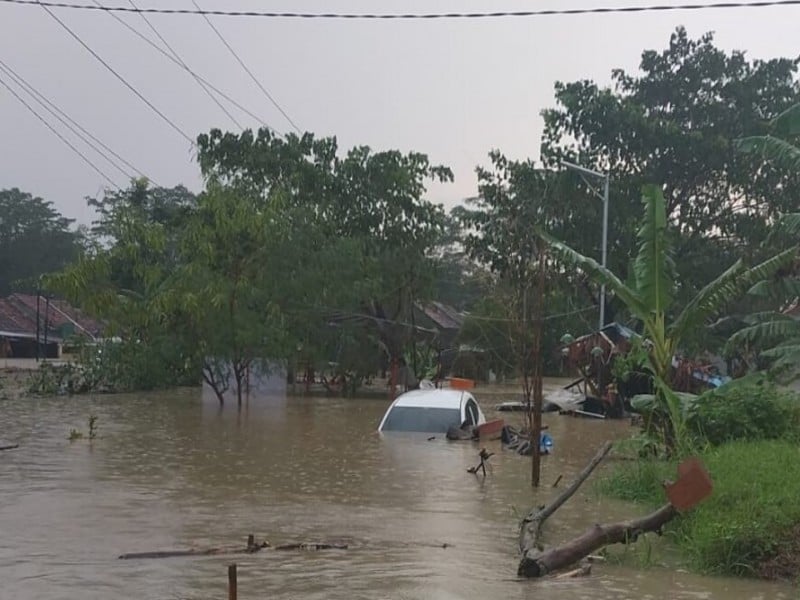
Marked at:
<point>432,411</point>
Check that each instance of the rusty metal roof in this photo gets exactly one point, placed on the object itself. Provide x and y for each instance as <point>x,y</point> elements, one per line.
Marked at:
<point>18,315</point>
<point>444,316</point>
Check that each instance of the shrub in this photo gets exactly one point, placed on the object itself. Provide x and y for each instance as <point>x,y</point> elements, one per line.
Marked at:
<point>752,408</point>
<point>115,367</point>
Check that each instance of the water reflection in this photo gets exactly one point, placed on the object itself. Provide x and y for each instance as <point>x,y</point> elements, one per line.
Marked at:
<point>171,471</point>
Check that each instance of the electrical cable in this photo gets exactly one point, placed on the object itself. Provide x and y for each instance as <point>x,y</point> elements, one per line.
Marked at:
<point>247,70</point>
<point>186,68</point>
<point>423,16</point>
<point>68,122</point>
<point>183,64</point>
<point>116,74</point>
<point>57,134</point>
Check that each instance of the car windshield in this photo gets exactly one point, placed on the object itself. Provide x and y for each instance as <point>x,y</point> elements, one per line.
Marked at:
<point>423,419</point>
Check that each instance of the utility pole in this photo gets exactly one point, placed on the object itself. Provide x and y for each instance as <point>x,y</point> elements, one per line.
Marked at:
<point>604,177</point>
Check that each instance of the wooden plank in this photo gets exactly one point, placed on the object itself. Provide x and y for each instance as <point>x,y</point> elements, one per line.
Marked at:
<point>491,430</point>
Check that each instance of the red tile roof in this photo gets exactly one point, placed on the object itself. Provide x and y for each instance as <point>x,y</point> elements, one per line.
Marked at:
<point>18,315</point>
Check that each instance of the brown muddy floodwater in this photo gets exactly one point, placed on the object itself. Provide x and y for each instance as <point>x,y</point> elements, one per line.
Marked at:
<point>171,471</point>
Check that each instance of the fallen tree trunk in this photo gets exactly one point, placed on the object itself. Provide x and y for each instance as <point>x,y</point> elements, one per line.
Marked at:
<point>539,563</point>
<point>531,525</point>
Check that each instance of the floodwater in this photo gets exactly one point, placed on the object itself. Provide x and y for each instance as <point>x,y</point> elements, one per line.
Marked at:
<point>170,471</point>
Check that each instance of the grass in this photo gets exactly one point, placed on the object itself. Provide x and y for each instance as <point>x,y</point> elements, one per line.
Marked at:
<point>750,516</point>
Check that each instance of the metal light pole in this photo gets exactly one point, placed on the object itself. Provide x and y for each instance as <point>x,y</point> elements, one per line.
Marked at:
<point>604,197</point>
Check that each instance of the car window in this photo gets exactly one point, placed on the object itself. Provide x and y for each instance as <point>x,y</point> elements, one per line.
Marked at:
<point>472,412</point>
<point>423,419</point>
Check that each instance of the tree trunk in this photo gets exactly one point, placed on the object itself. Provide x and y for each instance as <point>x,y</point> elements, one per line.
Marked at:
<point>531,526</point>
<point>217,386</point>
<point>541,563</point>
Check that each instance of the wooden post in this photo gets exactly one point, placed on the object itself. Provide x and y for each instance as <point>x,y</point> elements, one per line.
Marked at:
<point>232,592</point>
<point>536,421</point>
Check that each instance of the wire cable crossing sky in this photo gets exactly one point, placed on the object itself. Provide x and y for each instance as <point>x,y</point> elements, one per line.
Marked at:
<point>77,129</point>
<point>85,159</point>
<point>416,16</point>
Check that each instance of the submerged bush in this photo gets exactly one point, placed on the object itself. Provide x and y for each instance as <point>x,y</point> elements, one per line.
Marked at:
<point>750,513</point>
<point>111,367</point>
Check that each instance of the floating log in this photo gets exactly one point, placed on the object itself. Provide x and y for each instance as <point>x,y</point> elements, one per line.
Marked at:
<point>540,563</point>
<point>693,486</point>
<point>10,447</point>
<point>313,546</point>
<point>531,525</point>
<point>251,548</point>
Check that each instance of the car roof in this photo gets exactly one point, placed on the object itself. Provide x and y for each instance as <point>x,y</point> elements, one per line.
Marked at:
<point>433,398</point>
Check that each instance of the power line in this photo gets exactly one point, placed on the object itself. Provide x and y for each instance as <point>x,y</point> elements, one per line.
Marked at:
<point>117,75</point>
<point>57,134</point>
<point>421,16</point>
<point>186,68</point>
<point>69,122</point>
<point>248,71</point>
<point>183,64</point>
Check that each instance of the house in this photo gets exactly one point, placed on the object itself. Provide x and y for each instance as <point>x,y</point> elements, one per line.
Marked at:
<point>446,320</point>
<point>35,325</point>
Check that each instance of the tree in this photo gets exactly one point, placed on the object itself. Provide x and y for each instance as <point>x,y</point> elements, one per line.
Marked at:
<point>676,121</point>
<point>780,143</point>
<point>252,280</point>
<point>168,207</point>
<point>35,239</point>
<point>513,201</point>
<point>374,199</point>
<point>650,298</point>
<point>774,335</point>
<point>119,277</point>
<point>515,198</point>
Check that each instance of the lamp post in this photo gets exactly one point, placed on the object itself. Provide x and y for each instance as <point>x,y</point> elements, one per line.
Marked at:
<point>604,177</point>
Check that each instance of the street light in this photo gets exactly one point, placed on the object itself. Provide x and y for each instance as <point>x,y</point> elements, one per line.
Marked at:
<point>604,197</point>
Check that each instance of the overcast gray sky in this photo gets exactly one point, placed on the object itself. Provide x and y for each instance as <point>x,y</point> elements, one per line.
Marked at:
<point>453,88</point>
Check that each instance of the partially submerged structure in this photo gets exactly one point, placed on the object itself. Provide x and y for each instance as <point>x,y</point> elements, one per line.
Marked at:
<point>591,357</point>
<point>37,326</point>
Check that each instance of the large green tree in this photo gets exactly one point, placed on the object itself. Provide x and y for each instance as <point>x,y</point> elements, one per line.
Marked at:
<point>374,199</point>
<point>676,121</point>
<point>35,239</point>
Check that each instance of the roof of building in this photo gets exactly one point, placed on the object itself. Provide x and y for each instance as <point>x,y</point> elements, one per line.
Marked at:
<point>444,316</point>
<point>18,317</point>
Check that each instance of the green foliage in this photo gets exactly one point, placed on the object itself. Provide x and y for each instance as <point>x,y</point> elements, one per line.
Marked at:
<point>676,120</point>
<point>112,367</point>
<point>752,408</point>
<point>780,144</point>
<point>751,511</point>
<point>35,239</point>
<point>648,298</point>
<point>371,201</point>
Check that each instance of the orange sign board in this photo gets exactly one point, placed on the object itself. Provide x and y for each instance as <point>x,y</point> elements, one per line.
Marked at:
<point>693,486</point>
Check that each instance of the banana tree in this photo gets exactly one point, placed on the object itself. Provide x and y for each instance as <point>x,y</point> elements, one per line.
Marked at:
<point>776,335</point>
<point>781,143</point>
<point>649,296</point>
